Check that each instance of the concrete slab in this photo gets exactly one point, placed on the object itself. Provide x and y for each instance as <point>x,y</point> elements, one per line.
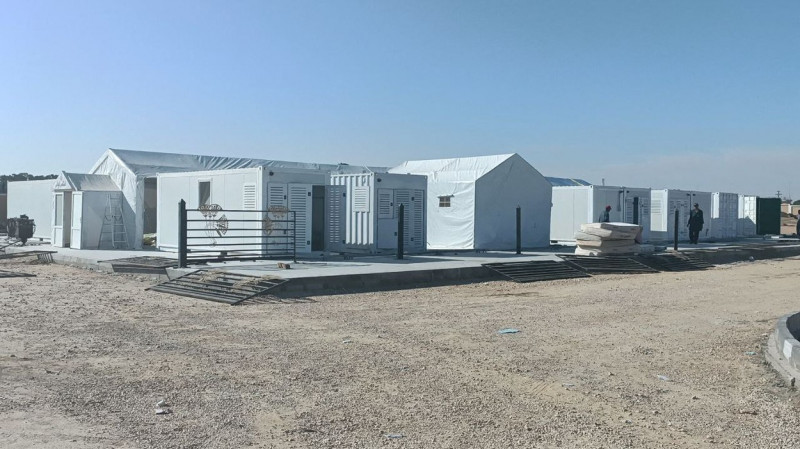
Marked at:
<point>330,273</point>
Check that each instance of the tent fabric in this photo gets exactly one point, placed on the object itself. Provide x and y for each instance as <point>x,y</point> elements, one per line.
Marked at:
<point>481,191</point>
<point>83,182</point>
<point>564,182</point>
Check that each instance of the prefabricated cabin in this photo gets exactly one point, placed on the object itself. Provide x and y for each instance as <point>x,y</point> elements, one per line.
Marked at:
<point>363,210</point>
<point>574,206</point>
<point>664,203</point>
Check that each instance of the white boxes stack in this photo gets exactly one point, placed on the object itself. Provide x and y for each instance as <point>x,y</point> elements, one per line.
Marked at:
<point>608,239</point>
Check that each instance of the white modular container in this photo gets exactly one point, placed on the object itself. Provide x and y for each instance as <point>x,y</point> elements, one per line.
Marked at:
<point>664,203</point>
<point>301,191</point>
<point>577,205</point>
<point>34,199</point>
<point>367,205</point>
<point>724,216</point>
<point>746,223</point>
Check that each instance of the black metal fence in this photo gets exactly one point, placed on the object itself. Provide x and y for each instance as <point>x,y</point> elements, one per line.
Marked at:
<point>213,234</point>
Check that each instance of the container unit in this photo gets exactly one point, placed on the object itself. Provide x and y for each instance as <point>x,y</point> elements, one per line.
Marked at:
<point>34,199</point>
<point>746,222</point>
<point>664,203</point>
<point>238,191</point>
<point>577,205</point>
<point>363,212</point>
<point>724,216</point>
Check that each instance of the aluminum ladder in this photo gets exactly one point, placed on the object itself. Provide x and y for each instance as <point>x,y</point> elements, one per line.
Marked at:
<point>114,224</point>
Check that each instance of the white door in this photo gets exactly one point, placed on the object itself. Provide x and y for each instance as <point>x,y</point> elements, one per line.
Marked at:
<point>300,204</point>
<point>682,206</point>
<point>335,217</point>
<point>276,234</point>
<point>387,223</point>
<point>77,217</point>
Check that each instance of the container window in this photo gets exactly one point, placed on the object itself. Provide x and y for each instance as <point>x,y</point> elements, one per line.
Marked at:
<point>444,201</point>
<point>204,193</point>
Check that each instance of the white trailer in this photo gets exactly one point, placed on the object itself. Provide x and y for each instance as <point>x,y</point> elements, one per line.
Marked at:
<point>664,203</point>
<point>34,199</point>
<point>301,191</point>
<point>367,206</point>
<point>577,205</point>
<point>746,223</point>
<point>724,216</point>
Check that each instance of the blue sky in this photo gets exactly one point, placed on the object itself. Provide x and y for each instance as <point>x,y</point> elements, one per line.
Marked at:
<point>684,94</point>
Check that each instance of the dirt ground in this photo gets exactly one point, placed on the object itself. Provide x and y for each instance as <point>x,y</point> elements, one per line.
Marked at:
<point>85,357</point>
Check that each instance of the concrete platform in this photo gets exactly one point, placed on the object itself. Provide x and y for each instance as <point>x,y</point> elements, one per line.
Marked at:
<point>329,274</point>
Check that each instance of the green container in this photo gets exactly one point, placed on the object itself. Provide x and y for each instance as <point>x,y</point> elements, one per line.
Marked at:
<point>768,216</point>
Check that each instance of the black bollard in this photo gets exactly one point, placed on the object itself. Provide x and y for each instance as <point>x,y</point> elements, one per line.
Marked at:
<point>400,213</point>
<point>519,230</point>
<point>676,229</point>
<point>182,240</point>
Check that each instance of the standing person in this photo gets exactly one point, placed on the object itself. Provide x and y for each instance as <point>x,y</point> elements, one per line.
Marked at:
<point>695,223</point>
<point>603,218</point>
<point>797,230</point>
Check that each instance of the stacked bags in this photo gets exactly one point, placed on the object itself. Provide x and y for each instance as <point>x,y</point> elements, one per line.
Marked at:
<point>607,239</point>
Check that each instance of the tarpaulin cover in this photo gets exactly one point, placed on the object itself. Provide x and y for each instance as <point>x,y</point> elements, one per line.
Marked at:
<point>482,194</point>
<point>82,182</point>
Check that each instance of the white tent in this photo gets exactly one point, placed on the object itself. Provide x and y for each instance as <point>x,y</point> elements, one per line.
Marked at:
<point>472,202</point>
<point>34,199</point>
<point>135,172</point>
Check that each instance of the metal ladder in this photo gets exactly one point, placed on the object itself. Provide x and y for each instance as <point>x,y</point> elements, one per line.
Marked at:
<point>114,224</point>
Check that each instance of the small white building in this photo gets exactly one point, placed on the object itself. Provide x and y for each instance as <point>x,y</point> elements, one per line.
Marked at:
<point>34,199</point>
<point>574,206</point>
<point>724,217</point>
<point>746,223</point>
<point>363,212</point>
<point>87,212</point>
<point>664,203</point>
<point>472,201</point>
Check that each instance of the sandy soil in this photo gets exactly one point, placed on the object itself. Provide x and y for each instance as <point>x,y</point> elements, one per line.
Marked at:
<point>84,357</point>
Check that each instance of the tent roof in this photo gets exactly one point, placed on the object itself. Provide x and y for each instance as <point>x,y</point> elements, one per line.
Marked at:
<point>561,182</point>
<point>466,167</point>
<point>82,182</point>
<point>150,163</point>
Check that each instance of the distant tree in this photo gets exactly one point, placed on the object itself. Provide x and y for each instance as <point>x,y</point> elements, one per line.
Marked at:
<point>21,177</point>
<point>796,203</point>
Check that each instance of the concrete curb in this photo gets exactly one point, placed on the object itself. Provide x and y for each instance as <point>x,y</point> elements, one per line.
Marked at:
<point>783,349</point>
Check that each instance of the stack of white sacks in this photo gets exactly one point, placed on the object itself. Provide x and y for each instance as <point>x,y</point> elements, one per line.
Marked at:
<point>608,239</point>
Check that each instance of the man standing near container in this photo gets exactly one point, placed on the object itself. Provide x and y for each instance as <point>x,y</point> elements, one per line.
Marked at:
<point>695,223</point>
<point>603,218</point>
<point>797,230</point>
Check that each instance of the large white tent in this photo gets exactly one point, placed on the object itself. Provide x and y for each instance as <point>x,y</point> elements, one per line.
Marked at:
<point>472,201</point>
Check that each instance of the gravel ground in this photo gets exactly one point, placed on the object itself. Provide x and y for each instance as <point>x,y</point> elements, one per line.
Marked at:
<point>85,357</point>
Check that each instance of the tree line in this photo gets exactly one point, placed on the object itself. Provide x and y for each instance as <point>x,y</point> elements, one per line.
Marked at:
<point>21,177</point>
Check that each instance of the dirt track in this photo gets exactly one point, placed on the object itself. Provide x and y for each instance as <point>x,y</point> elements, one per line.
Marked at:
<point>84,357</point>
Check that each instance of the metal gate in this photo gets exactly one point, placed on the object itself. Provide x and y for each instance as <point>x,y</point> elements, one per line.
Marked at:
<point>213,234</point>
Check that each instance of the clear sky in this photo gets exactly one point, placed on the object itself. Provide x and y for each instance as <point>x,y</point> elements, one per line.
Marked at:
<point>686,94</point>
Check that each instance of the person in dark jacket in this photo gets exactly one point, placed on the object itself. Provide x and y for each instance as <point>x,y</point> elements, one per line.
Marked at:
<point>603,218</point>
<point>797,231</point>
<point>695,223</point>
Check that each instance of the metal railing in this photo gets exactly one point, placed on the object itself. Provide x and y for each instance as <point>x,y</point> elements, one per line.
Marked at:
<point>213,234</point>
